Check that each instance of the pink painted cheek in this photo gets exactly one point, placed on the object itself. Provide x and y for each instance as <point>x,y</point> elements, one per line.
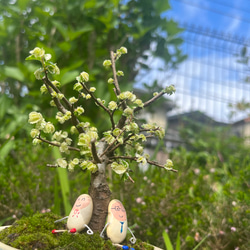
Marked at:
<point>81,202</point>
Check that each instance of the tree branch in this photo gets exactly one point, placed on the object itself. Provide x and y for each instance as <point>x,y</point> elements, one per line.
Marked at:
<point>56,144</point>
<point>107,151</point>
<point>116,84</point>
<point>100,104</point>
<point>149,102</point>
<point>117,90</point>
<point>59,105</point>
<point>68,104</point>
<point>134,158</point>
<point>94,152</point>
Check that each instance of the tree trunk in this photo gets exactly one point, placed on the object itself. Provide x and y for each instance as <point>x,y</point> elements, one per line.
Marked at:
<point>100,194</point>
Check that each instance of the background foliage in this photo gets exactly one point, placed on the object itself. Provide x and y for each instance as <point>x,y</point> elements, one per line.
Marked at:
<point>79,35</point>
<point>210,194</point>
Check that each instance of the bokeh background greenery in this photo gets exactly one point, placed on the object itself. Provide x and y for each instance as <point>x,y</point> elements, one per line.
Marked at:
<point>210,193</point>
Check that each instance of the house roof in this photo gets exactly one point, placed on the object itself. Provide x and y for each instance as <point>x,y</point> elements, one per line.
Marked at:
<point>195,116</point>
<point>243,121</point>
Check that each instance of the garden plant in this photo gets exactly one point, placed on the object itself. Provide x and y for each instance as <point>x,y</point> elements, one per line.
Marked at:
<point>207,199</point>
<point>83,146</point>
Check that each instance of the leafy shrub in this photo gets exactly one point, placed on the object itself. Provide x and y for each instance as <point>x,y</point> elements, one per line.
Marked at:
<point>208,197</point>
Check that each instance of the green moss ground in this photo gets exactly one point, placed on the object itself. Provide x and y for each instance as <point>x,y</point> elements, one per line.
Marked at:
<point>35,233</point>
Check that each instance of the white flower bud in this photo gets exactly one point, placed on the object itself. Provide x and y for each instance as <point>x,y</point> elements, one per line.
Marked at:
<point>34,132</point>
<point>73,100</point>
<point>120,73</point>
<point>39,73</point>
<point>62,163</point>
<point>110,80</point>
<point>35,117</point>
<point>112,105</point>
<point>49,128</point>
<point>107,63</point>
<point>37,52</point>
<point>78,86</point>
<point>84,77</point>
<point>92,89</point>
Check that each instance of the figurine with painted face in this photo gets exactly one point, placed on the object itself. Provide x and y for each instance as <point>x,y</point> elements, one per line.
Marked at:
<point>117,224</point>
<point>79,216</point>
<point>81,213</point>
<point>117,219</point>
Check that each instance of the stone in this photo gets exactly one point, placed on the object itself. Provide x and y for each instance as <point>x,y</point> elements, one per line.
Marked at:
<point>117,224</point>
<point>81,213</point>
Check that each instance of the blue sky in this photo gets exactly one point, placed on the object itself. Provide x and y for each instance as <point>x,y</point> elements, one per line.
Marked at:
<point>232,18</point>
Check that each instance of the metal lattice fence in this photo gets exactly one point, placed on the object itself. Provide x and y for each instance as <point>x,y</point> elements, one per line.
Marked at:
<point>211,78</point>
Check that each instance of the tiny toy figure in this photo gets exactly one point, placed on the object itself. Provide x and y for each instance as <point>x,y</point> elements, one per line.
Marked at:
<point>79,216</point>
<point>117,224</point>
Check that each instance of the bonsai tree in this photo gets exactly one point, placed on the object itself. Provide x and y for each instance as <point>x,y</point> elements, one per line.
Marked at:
<point>84,146</point>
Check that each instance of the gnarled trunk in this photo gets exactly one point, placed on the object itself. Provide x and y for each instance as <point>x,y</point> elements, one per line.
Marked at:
<point>100,194</point>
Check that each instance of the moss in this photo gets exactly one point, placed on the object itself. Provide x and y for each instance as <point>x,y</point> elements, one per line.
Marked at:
<point>35,233</point>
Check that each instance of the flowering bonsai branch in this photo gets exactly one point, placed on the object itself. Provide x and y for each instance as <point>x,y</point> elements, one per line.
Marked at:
<point>93,150</point>
<point>168,90</point>
<point>126,133</point>
<point>99,103</point>
<point>56,144</point>
<point>168,166</point>
<point>116,84</point>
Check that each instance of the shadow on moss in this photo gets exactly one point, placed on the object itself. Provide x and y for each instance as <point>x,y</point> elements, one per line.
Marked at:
<point>35,233</point>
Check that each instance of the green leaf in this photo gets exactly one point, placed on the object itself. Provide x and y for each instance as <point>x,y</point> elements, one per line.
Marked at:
<point>5,102</point>
<point>31,57</point>
<point>5,148</point>
<point>175,41</point>
<point>178,242</point>
<point>64,184</point>
<point>90,4</point>
<point>14,72</point>
<point>167,241</point>
<point>161,6</point>
<point>23,4</point>
<point>61,28</point>
<point>173,28</point>
<point>115,2</point>
<point>5,219</point>
<point>73,65</point>
<point>69,77</point>
<point>74,34</point>
<point>57,198</point>
<point>196,247</point>
<point>64,46</point>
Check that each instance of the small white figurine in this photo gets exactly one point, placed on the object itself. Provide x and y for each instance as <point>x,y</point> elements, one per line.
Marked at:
<point>79,216</point>
<point>117,224</point>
